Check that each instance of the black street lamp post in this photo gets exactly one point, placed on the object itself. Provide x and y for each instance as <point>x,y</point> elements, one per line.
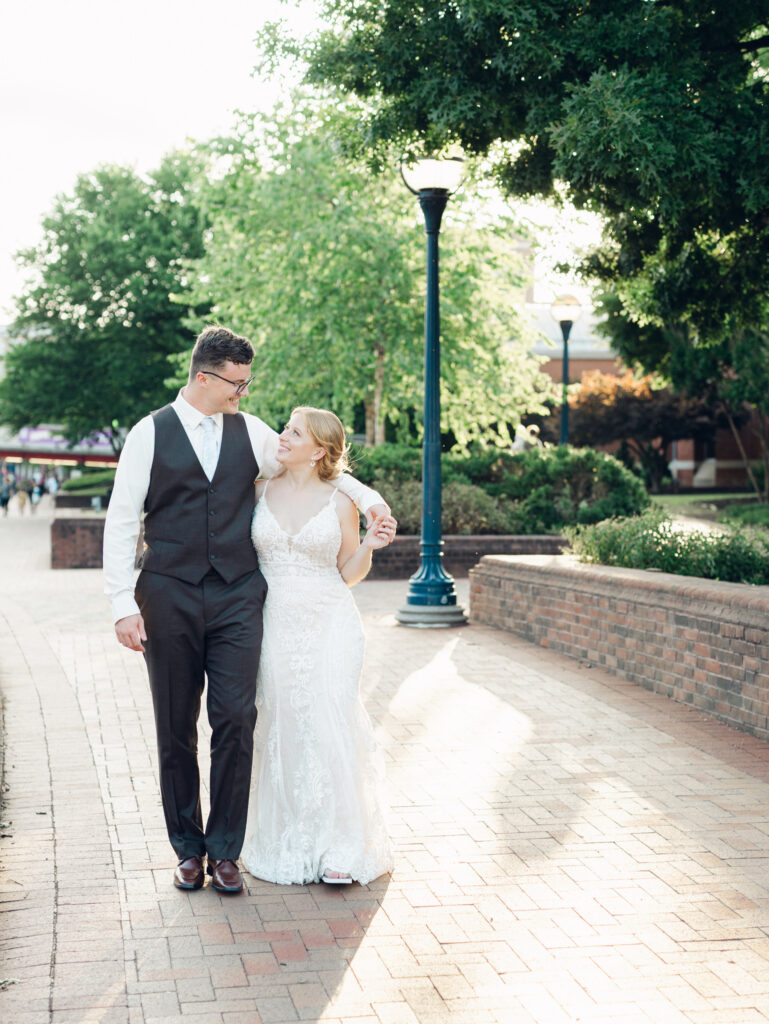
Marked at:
<point>432,599</point>
<point>565,310</point>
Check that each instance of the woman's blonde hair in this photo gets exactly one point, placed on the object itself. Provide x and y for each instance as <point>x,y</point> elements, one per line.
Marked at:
<point>327,431</point>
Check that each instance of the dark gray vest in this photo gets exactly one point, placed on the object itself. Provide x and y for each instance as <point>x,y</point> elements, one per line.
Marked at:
<point>192,525</point>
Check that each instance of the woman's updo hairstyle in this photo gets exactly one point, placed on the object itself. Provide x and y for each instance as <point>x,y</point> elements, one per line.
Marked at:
<point>327,431</point>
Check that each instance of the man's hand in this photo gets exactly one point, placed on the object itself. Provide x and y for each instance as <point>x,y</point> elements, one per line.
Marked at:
<point>388,525</point>
<point>376,512</point>
<point>130,632</point>
<point>380,533</point>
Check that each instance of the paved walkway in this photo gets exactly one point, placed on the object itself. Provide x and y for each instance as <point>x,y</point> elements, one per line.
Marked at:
<point>569,847</point>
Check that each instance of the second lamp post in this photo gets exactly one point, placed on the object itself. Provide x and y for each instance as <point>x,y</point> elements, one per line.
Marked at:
<point>565,310</point>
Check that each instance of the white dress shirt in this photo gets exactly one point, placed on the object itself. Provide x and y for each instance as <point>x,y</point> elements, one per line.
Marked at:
<point>132,481</point>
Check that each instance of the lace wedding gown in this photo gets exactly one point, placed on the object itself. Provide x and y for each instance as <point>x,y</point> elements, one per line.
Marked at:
<point>314,798</point>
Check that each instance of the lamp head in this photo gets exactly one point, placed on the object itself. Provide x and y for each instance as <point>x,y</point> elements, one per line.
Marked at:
<point>565,308</point>
<point>433,174</point>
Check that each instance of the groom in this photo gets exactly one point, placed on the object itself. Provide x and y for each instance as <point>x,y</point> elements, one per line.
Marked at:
<point>196,608</point>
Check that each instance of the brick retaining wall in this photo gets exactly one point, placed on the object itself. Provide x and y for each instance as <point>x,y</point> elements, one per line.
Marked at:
<point>76,543</point>
<point>701,642</point>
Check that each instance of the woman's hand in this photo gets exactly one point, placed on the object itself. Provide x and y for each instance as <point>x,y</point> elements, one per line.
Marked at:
<point>380,533</point>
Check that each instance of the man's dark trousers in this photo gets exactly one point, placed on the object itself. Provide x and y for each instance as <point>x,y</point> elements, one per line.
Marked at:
<point>211,628</point>
<point>201,595</point>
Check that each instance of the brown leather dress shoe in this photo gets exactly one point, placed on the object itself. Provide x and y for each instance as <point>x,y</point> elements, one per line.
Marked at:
<point>189,873</point>
<point>225,876</point>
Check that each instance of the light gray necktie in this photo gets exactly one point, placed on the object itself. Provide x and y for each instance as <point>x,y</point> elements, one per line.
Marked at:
<point>209,455</point>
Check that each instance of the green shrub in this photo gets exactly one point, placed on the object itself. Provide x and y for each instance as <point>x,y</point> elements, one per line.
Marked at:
<point>583,485</point>
<point>465,509</point>
<point>539,491</point>
<point>650,541</point>
<point>103,478</point>
<point>397,462</point>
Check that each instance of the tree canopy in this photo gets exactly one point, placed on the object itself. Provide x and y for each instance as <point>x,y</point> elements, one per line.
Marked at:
<point>652,112</point>
<point>96,326</point>
<point>322,265</point>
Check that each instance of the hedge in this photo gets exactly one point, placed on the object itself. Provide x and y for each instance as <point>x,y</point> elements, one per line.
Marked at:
<point>538,491</point>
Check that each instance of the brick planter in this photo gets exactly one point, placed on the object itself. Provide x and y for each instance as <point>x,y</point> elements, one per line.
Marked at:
<point>76,541</point>
<point>701,642</point>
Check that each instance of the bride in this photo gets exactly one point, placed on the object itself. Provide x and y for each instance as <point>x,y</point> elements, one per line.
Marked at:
<point>314,812</point>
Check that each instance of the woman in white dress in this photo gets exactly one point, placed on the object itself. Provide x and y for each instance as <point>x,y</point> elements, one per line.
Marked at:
<point>315,812</point>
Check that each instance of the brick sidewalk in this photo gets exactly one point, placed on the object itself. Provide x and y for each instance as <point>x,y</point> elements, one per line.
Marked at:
<point>569,847</point>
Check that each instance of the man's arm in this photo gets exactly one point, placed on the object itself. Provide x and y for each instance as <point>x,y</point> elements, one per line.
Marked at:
<point>370,502</point>
<point>264,442</point>
<point>121,528</point>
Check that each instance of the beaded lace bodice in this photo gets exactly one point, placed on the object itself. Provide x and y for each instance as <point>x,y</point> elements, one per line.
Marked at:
<point>312,551</point>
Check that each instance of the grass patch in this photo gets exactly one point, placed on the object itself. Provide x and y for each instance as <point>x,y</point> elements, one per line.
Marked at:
<point>89,492</point>
<point>678,502</point>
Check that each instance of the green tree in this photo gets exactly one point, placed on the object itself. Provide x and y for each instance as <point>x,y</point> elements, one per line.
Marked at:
<point>322,265</point>
<point>653,113</point>
<point>96,326</point>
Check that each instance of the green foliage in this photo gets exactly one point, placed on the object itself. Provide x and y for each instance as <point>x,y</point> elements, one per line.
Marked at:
<point>322,265</point>
<point>95,326</point>
<point>465,509</point>
<point>538,491</point>
<point>651,541</point>
<point>562,486</point>
<point>653,114</point>
<point>394,462</point>
<point>102,478</point>
<point>747,515</point>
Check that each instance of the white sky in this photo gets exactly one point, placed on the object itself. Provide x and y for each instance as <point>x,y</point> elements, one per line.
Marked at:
<point>84,83</point>
<point>88,82</point>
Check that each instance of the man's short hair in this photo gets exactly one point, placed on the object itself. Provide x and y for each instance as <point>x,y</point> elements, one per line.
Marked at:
<point>216,346</point>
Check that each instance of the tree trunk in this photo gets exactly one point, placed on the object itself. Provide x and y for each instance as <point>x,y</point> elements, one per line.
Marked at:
<point>763,437</point>
<point>375,428</point>
<point>652,460</point>
<point>743,453</point>
<point>370,424</point>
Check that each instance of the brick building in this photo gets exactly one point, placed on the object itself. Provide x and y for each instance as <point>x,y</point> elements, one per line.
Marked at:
<point>714,463</point>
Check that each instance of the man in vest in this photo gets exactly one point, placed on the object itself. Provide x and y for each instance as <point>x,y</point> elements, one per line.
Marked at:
<point>196,608</point>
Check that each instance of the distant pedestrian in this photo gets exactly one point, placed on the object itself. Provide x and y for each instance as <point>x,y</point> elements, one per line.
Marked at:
<point>22,495</point>
<point>6,493</point>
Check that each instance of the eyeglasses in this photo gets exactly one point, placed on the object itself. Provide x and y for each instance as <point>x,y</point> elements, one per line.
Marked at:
<point>239,387</point>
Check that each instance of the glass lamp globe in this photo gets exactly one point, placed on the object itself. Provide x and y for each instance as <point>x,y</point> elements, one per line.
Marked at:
<point>432,173</point>
<point>565,307</point>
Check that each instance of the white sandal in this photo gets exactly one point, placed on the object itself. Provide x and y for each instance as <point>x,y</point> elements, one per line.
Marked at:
<point>341,880</point>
